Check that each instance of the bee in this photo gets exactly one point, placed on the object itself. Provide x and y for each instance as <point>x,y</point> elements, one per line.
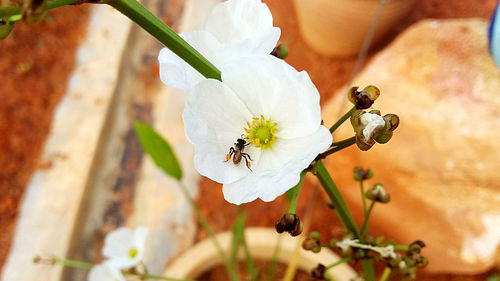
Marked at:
<point>237,153</point>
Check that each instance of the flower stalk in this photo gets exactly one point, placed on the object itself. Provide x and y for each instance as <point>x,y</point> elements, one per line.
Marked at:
<point>154,26</point>
<point>342,119</point>
<point>14,11</point>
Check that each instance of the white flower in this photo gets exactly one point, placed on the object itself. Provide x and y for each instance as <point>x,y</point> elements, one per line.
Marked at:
<point>385,252</point>
<point>371,122</point>
<point>105,271</point>
<point>235,28</point>
<point>273,109</point>
<point>124,246</point>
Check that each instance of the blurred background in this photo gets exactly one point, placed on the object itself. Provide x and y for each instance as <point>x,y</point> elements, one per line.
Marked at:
<point>71,167</point>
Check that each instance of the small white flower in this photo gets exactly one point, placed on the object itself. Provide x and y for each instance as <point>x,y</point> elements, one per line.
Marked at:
<point>235,28</point>
<point>385,252</point>
<point>125,247</point>
<point>371,122</point>
<point>272,108</point>
<point>105,271</point>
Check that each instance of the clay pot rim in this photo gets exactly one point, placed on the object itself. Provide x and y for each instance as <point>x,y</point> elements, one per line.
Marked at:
<point>261,242</point>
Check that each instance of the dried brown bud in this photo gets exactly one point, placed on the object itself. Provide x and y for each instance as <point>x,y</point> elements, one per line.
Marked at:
<point>361,174</point>
<point>289,223</point>
<point>363,99</point>
<point>319,272</point>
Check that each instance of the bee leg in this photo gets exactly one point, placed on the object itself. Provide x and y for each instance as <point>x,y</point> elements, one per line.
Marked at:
<point>247,156</point>
<point>228,156</point>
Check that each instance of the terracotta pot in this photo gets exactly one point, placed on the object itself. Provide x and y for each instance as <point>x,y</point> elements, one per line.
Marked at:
<point>338,27</point>
<point>261,242</point>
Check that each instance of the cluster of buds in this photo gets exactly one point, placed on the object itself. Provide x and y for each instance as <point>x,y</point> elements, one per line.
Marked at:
<point>371,127</point>
<point>289,223</point>
<point>377,193</point>
<point>361,174</point>
<point>313,242</point>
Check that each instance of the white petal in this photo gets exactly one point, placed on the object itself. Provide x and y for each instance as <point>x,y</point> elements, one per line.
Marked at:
<point>177,73</point>
<point>118,243</point>
<point>269,86</point>
<point>235,21</point>
<point>105,272</point>
<point>278,169</point>
<point>371,122</point>
<point>140,235</point>
<point>214,118</point>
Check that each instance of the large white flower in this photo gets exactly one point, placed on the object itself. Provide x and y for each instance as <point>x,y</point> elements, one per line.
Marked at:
<point>235,28</point>
<point>105,271</point>
<point>124,246</point>
<point>275,112</point>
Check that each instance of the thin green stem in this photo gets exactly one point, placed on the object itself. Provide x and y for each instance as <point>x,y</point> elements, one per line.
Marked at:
<point>343,142</point>
<point>154,26</point>
<point>13,11</point>
<point>274,260</point>
<point>385,274</point>
<point>347,143</point>
<point>363,198</point>
<point>337,200</point>
<point>159,277</point>
<point>401,248</point>
<point>233,275</point>
<point>367,217</point>
<point>72,263</point>
<point>342,119</point>
<point>341,261</point>
<point>295,193</point>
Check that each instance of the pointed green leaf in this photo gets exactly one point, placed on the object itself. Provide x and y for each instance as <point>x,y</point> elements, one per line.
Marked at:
<point>158,148</point>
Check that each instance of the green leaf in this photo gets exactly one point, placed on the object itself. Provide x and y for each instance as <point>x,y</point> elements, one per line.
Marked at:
<point>493,277</point>
<point>158,148</point>
<point>238,234</point>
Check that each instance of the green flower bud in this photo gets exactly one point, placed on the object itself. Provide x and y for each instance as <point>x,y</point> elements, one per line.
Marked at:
<point>315,235</point>
<point>280,51</point>
<point>5,28</point>
<point>383,137</point>
<point>311,244</point>
<point>362,144</point>
<point>360,174</point>
<point>363,99</point>
<point>377,193</point>
<point>392,120</point>
<point>356,121</point>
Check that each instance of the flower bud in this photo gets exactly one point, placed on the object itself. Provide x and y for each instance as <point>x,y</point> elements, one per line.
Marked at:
<point>363,99</point>
<point>5,28</point>
<point>280,51</point>
<point>392,120</point>
<point>362,144</point>
<point>360,174</point>
<point>377,193</point>
<point>384,137</point>
<point>289,223</point>
<point>319,272</point>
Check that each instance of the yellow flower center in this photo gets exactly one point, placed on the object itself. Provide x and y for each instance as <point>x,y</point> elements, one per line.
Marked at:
<point>261,132</point>
<point>132,252</point>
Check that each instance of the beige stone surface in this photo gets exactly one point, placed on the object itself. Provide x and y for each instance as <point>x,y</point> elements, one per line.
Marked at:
<point>442,165</point>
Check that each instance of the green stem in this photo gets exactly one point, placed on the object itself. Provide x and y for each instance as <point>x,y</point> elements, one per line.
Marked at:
<point>233,275</point>
<point>13,11</point>
<point>401,248</point>
<point>341,261</point>
<point>154,26</point>
<point>274,260</point>
<point>72,263</point>
<point>337,200</point>
<point>295,193</point>
<point>363,198</point>
<point>385,274</point>
<point>159,277</point>
<point>342,119</point>
<point>347,143</point>
<point>343,142</point>
<point>368,269</point>
<point>367,216</point>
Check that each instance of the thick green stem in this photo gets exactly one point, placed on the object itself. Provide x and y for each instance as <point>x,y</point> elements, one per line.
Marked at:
<point>368,270</point>
<point>13,11</point>
<point>336,198</point>
<point>295,194</point>
<point>342,119</point>
<point>154,26</point>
